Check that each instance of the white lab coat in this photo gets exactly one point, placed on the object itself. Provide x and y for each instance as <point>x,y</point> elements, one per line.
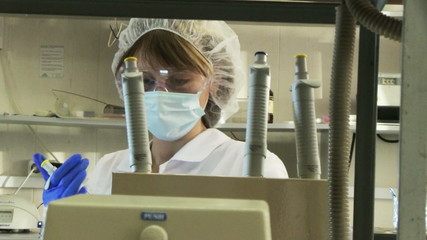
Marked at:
<point>210,153</point>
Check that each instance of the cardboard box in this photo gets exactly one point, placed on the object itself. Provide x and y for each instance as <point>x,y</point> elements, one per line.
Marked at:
<point>298,207</point>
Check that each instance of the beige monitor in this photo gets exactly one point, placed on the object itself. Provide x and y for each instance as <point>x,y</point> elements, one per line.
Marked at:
<point>123,217</point>
<point>298,207</point>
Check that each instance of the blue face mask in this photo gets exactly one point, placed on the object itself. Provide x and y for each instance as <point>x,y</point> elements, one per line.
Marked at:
<point>170,115</point>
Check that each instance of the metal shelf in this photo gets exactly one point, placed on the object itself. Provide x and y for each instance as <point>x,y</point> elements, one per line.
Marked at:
<point>120,123</point>
<point>382,128</point>
<point>65,122</point>
<point>260,11</point>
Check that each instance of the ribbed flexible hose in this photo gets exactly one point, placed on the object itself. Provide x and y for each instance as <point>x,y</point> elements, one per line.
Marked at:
<point>374,20</point>
<point>339,133</point>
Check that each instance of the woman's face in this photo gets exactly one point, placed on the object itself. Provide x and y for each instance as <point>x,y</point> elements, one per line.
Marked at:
<point>170,79</point>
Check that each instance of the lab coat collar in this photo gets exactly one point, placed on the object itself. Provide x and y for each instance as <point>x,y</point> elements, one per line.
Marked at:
<point>201,146</point>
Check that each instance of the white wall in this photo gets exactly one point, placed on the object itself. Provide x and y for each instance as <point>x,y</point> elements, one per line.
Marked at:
<point>87,71</point>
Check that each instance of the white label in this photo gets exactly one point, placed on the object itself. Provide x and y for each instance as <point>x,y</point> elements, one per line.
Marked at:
<point>51,61</point>
<point>154,216</point>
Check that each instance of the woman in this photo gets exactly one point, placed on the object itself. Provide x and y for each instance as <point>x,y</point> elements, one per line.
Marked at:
<point>191,72</point>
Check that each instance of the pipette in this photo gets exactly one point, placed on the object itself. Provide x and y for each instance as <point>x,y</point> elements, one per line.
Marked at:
<point>136,123</point>
<point>50,169</point>
<point>256,129</point>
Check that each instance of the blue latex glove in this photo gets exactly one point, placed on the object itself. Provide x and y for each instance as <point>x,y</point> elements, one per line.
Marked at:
<point>66,180</point>
<point>38,159</point>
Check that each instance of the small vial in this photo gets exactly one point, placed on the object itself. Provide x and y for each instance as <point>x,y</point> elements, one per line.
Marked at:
<point>46,165</point>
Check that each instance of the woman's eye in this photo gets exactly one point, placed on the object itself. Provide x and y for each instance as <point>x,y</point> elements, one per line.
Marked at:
<point>178,81</point>
<point>149,82</point>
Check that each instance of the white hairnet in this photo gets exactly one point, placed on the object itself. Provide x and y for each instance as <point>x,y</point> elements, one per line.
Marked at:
<point>215,40</point>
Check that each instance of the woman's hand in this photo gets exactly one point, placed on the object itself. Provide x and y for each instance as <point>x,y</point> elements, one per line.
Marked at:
<point>66,180</point>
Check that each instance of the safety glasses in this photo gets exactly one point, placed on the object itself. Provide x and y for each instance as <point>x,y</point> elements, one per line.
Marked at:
<point>172,80</point>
